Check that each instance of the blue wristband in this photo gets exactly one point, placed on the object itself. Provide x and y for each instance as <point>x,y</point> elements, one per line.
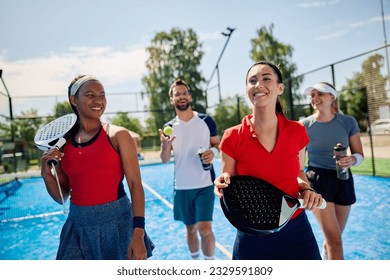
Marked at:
<point>138,222</point>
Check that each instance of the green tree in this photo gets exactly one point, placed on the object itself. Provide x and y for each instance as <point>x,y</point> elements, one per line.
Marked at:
<point>353,100</point>
<point>230,113</point>
<point>5,130</point>
<point>266,47</point>
<point>172,55</point>
<point>123,119</point>
<point>62,108</point>
<point>375,84</point>
<point>365,93</point>
<point>26,126</point>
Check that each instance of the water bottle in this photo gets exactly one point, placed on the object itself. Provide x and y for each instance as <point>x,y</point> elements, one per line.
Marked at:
<point>206,166</point>
<point>339,152</point>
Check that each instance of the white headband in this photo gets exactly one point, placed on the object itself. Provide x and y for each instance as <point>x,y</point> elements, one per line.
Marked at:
<point>76,86</point>
<point>321,88</point>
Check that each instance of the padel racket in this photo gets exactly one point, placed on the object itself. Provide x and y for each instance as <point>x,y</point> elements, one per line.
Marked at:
<point>53,136</point>
<point>50,136</point>
<point>256,207</point>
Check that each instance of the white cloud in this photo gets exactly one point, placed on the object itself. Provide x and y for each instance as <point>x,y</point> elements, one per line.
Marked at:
<point>210,36</point>
<point>348,28</point>
<point>317,4</point>
<point>51,75</point>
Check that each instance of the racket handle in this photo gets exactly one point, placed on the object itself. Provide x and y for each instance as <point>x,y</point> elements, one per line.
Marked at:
<point>52,162</point>
<point>322,206</point>
<point>61,142</point>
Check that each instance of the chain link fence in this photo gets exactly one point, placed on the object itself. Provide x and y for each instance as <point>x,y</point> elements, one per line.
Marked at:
<point>362,83</point>
<point>363,87</point>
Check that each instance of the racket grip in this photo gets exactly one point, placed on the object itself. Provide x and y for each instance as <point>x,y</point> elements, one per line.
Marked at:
<point>322,206</point>
<point>61,142</point>
<point>52,162</point>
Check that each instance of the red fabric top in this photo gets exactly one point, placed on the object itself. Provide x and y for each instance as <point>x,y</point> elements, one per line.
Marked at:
<point>94,171</point>
<point>279,167</point>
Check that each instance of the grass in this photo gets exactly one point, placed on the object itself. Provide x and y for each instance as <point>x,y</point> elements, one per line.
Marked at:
<point>382,167</point>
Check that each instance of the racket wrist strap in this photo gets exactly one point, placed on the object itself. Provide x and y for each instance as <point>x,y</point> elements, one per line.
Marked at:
<point>138,222</point>
<point>307,189</point>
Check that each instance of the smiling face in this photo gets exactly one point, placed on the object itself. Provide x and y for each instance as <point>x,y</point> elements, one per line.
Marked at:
<point>181,98</point>
<point>262,86</point>
<point>321,101</point>
<point>90,100</point>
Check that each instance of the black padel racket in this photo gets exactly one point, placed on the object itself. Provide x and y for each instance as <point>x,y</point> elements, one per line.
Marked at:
<point>256,207</point>
<point>53,136</point>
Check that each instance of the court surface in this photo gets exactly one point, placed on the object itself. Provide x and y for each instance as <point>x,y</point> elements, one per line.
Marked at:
<point>31,222</point>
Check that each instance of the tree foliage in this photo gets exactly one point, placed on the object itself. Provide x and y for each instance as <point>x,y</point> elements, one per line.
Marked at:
<point>230,113</point>
<point>123,119</point>
<point>365,93</point>
<point>26,126</point>
<point>266,47</point>
<point>172,55</point>
<point>353,100</point>
<point>62,108</point>
<point>375,84</point>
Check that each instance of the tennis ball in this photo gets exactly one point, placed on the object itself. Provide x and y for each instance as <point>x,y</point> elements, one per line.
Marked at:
<point>168,130</point>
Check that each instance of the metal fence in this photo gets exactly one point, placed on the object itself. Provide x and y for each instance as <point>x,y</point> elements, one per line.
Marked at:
<point>362,76</point>
<point>363,87</point>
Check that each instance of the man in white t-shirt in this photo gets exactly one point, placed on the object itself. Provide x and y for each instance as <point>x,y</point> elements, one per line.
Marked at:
<point>193,186</point>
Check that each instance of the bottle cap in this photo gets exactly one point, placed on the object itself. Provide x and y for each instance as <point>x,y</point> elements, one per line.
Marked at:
<point>339,147</point>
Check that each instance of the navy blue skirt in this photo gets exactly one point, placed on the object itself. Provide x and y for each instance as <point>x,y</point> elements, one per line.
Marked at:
<point>295,241</point>
<point>101,232</point>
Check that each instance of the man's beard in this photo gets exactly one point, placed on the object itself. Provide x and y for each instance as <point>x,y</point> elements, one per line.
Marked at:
<point>182,107</point>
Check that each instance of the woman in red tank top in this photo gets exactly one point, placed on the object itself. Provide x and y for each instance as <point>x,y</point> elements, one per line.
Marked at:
<point>102,222</point>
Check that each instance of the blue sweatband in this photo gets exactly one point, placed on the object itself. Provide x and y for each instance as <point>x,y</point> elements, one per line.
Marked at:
<point>138,222</point>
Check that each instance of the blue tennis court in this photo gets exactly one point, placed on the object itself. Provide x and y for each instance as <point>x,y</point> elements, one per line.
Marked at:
<point>31,222</point>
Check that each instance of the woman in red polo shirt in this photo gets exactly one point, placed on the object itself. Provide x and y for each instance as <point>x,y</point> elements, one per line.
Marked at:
<point>269,146</point>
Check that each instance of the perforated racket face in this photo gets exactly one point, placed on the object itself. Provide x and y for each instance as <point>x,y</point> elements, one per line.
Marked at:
<point>255,206</point>
<point>49,134</point>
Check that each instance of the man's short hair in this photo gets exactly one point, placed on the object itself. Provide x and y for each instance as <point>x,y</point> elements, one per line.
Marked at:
<point>178,82</point>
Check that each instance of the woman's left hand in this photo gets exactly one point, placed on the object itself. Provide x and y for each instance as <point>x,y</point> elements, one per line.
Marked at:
<point>222,181</point>
<point>311,199</point>
<point>137,248</point>
<point>347,161</point>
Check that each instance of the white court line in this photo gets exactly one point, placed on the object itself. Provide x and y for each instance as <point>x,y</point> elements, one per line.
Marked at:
<point>166,202</point>
<point>44,215</point>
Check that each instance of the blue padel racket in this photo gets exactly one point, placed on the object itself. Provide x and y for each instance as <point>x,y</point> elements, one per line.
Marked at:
<point>256,207</point>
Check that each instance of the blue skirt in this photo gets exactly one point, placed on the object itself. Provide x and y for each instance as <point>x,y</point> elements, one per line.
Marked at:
<point>101,232</point>
<point>295,241</point>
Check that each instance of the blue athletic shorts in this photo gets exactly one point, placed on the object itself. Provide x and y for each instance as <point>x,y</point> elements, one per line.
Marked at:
<point>325,182</point>
<point>193,206</point>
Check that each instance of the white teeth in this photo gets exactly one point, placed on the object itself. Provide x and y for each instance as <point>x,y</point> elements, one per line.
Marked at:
<point>259,94</point>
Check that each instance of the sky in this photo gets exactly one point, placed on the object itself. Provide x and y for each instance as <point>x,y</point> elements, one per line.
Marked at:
<point>46,43</point>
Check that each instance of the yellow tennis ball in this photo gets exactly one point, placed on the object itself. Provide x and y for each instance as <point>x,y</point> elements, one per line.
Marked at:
<point>168,130</point>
